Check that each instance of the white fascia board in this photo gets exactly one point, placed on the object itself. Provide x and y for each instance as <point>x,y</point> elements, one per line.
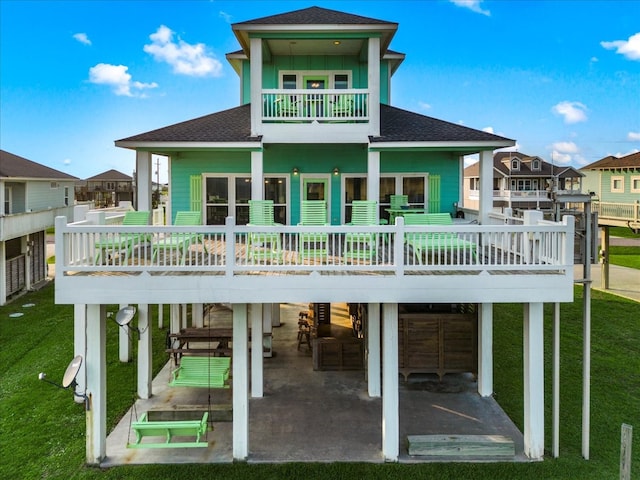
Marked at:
<point>475,145</point>
<point>164,146</point>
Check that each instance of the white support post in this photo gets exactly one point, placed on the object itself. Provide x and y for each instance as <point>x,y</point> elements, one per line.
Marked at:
<point>373,177</point>
<point>124,341</point>
<point>373,57</point>
<point>174,320</point>
<point>485,204</point>
<point>275,315</point>
<point>533,339</point>
<point>160,316</point>
<point>144,179</point>
<point>197,315</point>
<point>257,359</point>
<point>255,68</point>
<point>268,315</point>
<point>257,168</point>
<point>390,394</point>
<point>145,360</point>
<point>240,382</point>
<point>184,316</point>
<point>485,350</point>
<point>556,381</point>
<point>80,346</point>
<point>373,346</point>
<point>96,368</point>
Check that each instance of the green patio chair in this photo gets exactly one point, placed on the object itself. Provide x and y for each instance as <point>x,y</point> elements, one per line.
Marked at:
<point>342,105</point>
<point>287,106</point>
<point>109,244</point>
<point>263,245</point>
<point>362,246</point>
<point>435,243</point>
<point>313,246</point>
<point>179,243</point>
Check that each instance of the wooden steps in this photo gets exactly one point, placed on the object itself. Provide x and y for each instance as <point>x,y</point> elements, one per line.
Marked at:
<point>474,446</point>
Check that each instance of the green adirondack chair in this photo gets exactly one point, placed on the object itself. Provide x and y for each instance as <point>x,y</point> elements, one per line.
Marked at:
<point>313,246</point>
<point>179,243</point>
<point>433,244</point>
<point>109,244</point>
<point>263,245</point>
<point>362,246</point>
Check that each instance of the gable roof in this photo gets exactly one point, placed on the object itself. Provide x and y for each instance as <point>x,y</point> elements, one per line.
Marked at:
<point>14,166</point>
<point>234,125</point>
<point>501,167</point>
<point>111,175</point>
<point>611,162</point>
<point>314,16</point>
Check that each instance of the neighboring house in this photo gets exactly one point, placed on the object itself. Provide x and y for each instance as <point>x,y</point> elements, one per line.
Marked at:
<point>31,196</point>
<point>315,122</point>
<point>520,181</point>
<point>106,189</point>
<point>615,184</point>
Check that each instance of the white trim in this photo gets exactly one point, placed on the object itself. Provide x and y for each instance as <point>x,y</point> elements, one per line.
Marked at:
<point>470,144</point>
<point>634,189</point>
<point>301,74</point>
<point>614,179</point>
<point>164,146</point>
<point>323,176</point>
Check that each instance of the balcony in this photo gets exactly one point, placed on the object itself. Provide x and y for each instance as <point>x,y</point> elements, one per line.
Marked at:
<point>241,264</point>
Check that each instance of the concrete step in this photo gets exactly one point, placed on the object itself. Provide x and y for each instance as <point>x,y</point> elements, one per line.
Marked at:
<point>484,446</point>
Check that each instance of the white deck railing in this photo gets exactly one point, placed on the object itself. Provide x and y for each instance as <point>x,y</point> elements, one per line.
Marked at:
<point>618,211</point>
<point>381,250</point>
<point>315,105</point>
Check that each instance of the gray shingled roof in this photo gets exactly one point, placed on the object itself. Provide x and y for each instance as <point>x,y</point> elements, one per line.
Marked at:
<point>611,162</point>
<point>546,170</point>
<point>233,125</point>
<point>396,125</point>
<point>314,16</point>
<point>13,166</point>
<point>111,175</point>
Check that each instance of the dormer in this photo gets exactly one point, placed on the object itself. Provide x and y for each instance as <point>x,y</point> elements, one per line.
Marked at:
<point>315,71</point>
<point>514,164</point>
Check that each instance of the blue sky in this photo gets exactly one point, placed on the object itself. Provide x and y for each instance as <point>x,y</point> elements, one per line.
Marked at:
<point>560,77</point>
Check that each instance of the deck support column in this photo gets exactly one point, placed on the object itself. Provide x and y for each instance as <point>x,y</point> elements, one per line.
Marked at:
<point>257,184</point>
<point>145,359</point>
<point>485,350</point>
<point>485,204</point>
<point>390,395</point>
<point>197,315</point>
<point>124,341</point>
<point>143,180</point>
<point>80,346</point>
<point>373,349</point>
<point>96,369</point>
<point>257,359</point>
<point>533,339</point>
<point>240,382</point>
<point>373,177</point>
<point>255,69</point>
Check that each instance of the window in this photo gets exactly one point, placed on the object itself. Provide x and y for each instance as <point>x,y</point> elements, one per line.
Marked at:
<point>535,165</point>
<point>7,200</point>
<point>515,164</point>
<point>66,196</point>
<point>289,82</point>
<point>275,188</point>
<point>635,184</point>
<point>617,184</point>
<point>54,185</point>
<point>320,79</point>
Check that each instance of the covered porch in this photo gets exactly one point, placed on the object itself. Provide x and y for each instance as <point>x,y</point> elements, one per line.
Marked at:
<point>318,416</point>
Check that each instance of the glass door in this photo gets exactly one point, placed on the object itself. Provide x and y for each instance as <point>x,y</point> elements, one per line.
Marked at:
<point>315,188</point>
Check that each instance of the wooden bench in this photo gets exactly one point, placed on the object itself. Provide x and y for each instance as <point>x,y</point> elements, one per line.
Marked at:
<point>169,429</point>
<point>476,446</point>
<point>212,372</point>
<point>435,243</point>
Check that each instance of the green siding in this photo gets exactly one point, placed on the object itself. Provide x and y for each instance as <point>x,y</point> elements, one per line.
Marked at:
<point>605,193</point>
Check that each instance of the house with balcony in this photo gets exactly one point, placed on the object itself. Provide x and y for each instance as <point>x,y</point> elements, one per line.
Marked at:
<point>315,124</point>
<point>32,196</point>
<point>521,181</point>
<point>614,183</point>
<point>107,189</point>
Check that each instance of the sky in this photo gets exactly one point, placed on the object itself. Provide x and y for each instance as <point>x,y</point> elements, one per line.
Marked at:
<point>562,78</point>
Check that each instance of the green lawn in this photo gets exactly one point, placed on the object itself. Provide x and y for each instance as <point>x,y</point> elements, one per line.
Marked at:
<point>42,433</point>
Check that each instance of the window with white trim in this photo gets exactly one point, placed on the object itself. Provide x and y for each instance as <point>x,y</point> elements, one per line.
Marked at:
<point>635,184</point>
<point>617,184</point>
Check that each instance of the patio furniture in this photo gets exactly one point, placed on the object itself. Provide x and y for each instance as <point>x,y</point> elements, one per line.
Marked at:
<point>111,243</point>
<point>287,106</point>
<point>435,244</point>
<point>179,243</point>
<point>342,106</point>
<point>263,245</point>
<point>168,429</point>
<point>210,372</point>
<point>313,246</point>
<point>362,246</point>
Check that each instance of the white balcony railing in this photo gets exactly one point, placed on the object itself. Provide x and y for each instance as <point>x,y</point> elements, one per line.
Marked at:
<point>618,211</point>
<point>231,250</point>
<point>302,106</point>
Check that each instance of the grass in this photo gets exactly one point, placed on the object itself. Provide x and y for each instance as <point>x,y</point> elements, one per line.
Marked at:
<point>624,256</point>
<point>42,433</point>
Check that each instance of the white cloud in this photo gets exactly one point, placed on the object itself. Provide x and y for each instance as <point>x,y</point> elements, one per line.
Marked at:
<point>66,161</point>
<point>424,105</point>
<point>559,158</point>
<point>185,59</point>
<point>117,77</point>
<point>566,147</point>
<point>573,112</point>
<point>225,16</point>
<point>516,148</point>
<point>633,136</point>
<point>488,129</point>
<point>82,38</point>
<point>629,48</point>
<point>473,5</point>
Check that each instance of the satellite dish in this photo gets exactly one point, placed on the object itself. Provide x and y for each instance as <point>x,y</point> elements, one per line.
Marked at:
<point>71,372</point>
<point>125,315</point>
